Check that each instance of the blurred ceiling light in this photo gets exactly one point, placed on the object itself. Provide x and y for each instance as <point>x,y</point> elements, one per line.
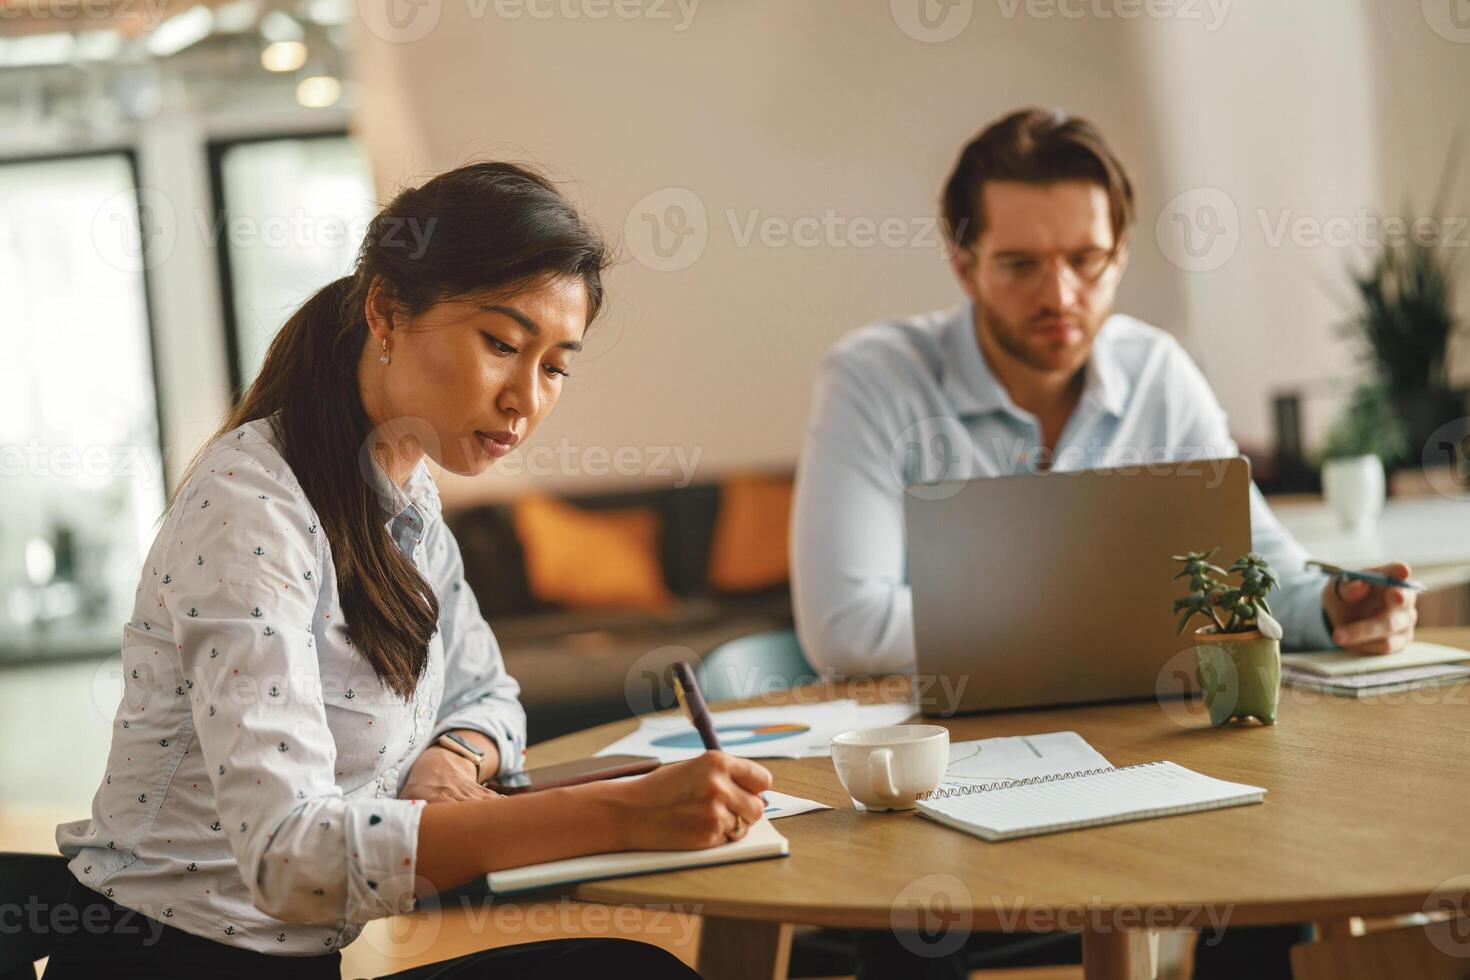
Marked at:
<point>98,45</point>
<point>327,13</point>
<point>38,49</point>
<point>236,17</point>
<point>280,26</point>
<point>283,56</point>
<point>318,91</point>
<point>178,33</point>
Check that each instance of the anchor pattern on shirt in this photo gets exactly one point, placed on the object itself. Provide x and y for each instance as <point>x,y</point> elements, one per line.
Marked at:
<point>244,596</point>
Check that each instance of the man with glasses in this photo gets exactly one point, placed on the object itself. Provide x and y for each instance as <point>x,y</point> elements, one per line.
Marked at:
<point>1033,371</point>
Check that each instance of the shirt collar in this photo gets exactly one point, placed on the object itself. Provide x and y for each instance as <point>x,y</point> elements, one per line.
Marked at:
<point>1106,383</point>
<point>418,492</point>
<point>974,389</point>
<point>968,381</point>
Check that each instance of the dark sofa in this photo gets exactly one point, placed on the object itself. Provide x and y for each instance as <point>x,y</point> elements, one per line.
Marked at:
<point>582,667</point>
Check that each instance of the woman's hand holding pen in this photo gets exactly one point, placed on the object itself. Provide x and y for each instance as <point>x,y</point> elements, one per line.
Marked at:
<point>698,803</point>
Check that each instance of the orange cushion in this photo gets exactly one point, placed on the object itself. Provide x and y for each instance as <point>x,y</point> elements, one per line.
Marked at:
<point>749,550</point>
<point>591,559</point>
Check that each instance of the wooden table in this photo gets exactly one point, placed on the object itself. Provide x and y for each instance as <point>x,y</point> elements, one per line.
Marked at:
<point>1364,815</point>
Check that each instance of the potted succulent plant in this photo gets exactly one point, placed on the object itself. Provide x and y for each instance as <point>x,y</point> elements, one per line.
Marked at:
<point>1238,652</point>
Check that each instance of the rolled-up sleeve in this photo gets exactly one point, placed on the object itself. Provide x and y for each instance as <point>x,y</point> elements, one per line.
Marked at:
<point>853,606</point>
<point>242,601</point>
<point>1298,604</point>
<point>479,693</point>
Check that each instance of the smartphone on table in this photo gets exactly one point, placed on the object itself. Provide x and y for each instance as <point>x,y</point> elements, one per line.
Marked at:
<point>572,773</point>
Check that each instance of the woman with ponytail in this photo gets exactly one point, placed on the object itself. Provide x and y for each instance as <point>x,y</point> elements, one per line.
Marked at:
<point>312,700</point>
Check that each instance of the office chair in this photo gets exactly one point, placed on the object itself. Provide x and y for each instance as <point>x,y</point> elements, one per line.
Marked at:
<point>28,882</point>
<point>755,664</point>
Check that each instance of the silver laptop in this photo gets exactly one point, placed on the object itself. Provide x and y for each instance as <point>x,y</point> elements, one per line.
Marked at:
<point>1057,588</point>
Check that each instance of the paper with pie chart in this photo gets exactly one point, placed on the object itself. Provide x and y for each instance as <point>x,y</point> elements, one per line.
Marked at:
<point>736,735</point>
<point>790,731</point>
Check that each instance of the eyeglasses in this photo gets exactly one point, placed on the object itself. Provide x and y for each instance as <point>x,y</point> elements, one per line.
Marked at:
<point>1027,272</point>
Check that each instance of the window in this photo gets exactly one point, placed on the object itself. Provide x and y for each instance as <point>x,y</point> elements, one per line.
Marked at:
<point>80,469</point>
<point>294,213</point>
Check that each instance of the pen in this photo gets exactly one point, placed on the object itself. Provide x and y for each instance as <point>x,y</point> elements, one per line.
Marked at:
<point>1373,578</point>
<point>686,689</point>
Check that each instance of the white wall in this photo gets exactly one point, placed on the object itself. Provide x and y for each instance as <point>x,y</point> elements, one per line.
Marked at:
<point>1297,122</point>
<point>759,108</point>
<point>771,108</point>
<point>1421,81</point>
<point>1270,118</point>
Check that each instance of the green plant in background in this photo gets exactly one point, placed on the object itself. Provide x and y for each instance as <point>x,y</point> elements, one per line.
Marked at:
<point>1370,425</point>
<point>1230,609</point>
<point>1407,315</point>
<point>1406,323</point>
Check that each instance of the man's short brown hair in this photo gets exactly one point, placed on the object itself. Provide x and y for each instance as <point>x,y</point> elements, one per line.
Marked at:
<point>1032,146</point>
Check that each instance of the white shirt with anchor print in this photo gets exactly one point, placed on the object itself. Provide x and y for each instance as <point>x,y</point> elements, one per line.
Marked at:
<point>251,792</point>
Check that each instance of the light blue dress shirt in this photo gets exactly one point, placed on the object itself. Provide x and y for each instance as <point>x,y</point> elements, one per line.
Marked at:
<point>910,401</point>
<point>251,792</point>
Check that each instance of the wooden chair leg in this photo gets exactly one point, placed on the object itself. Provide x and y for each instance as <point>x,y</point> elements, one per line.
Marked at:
<point>1118,954</point>
<point>1327,930</point>
<point>741,948</point>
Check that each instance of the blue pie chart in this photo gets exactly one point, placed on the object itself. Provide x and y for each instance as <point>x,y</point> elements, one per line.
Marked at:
<point>731,735</point>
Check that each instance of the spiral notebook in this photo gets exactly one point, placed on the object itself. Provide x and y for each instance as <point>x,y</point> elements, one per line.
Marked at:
<point>1085,798</point>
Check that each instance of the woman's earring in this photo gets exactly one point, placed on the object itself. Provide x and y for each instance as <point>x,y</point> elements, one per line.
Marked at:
<point>383,357</point>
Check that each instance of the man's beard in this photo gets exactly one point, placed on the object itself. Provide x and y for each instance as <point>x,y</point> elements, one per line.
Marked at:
<point>1012,339</point>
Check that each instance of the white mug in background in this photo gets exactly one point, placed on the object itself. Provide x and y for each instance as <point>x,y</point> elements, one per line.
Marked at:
<point>887,768</point>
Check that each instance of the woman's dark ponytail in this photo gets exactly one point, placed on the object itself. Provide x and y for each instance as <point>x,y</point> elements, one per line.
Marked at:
<point>483,227</point>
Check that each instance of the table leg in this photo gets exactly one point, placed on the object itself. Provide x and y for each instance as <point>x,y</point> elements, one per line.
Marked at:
<point>741,949</point>
<point>1117,954</point>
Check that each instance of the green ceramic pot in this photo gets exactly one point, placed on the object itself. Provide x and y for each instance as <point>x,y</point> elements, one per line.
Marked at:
<point>1240,675</point>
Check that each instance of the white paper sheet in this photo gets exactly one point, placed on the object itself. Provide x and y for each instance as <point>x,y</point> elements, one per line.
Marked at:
<point>780,805</point>
<point>864,716</point>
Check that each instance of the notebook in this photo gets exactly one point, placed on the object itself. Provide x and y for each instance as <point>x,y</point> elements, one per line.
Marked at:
<point>1378,682</point>
<point>1335,663</point>
<point>1085,798</point>
<point>762,840</point>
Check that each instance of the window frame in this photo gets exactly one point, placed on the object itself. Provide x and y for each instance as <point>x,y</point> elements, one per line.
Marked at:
<point>26,654</point>
<point>215,150</point>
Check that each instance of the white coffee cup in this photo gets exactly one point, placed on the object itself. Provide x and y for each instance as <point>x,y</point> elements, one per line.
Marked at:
<point>887,768</point>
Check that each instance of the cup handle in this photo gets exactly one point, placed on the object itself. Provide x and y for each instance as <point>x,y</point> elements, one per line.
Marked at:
<point>880,775</point>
